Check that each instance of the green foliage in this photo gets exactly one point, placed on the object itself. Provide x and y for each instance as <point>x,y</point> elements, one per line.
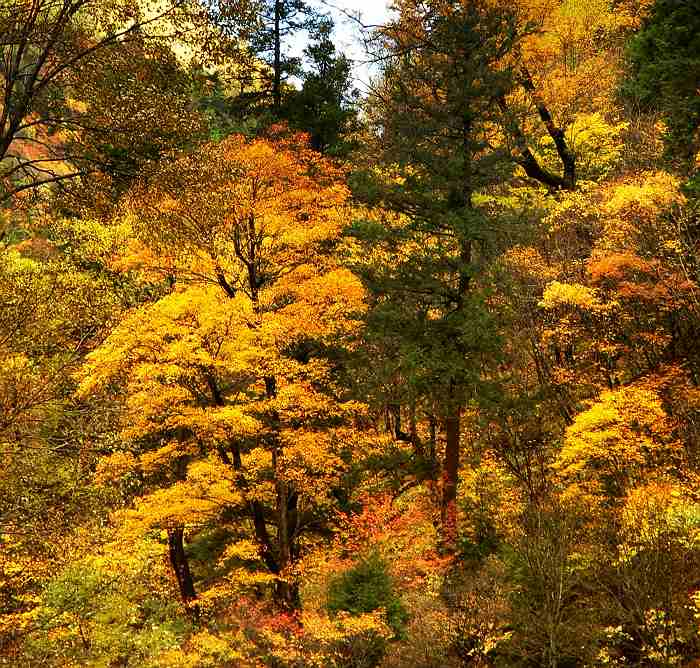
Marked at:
<point>324,106</point>
<point>664,61</point>
<point>367,587</point>
<point>215,103</point>
<point>485,544</point>
<point>95,616</point>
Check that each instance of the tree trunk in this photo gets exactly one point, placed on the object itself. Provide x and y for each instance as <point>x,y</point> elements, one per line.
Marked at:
<point>256,509</point>
<point>277,66</point>
<point>450,469</point>
<point>181,567</point>
<point>450,476</point>
<point>416,442</point>
<point>286,593</point>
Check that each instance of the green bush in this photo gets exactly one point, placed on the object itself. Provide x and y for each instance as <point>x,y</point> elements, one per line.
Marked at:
<point>366,587</point>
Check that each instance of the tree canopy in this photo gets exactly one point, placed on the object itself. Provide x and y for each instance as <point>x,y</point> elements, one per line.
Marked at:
<point>297,376</point>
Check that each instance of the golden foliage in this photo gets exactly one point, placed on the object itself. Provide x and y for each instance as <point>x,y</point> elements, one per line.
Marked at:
<point>623,437</point>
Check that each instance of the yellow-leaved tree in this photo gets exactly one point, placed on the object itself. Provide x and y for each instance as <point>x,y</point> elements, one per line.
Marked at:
<point>232,420</point>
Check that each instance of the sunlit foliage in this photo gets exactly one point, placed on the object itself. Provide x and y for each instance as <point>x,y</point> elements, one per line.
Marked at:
<point>419,388</point>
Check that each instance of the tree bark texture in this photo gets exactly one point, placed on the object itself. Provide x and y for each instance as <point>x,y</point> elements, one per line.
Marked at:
<point>450,477</point>
<point>181,567</point>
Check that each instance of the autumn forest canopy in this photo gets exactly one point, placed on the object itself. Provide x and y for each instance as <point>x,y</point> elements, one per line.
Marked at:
<point>299,371</point>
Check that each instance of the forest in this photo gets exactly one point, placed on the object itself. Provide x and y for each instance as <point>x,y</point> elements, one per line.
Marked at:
<point>305,370</point>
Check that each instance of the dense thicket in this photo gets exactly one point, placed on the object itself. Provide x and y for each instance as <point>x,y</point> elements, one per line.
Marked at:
<point>293,377</point>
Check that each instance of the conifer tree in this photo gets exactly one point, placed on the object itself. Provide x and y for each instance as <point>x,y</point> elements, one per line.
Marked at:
<point>266,27</point>
<point>436,119</point>
<point>665,74</point>
<point>325,105</point>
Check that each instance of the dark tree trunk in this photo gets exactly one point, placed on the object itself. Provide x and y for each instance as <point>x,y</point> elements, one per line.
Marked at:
<point>277,66</point>
<point>450,469</point>
<point>418,447</point>
<point>286,593</point>
<point>450,477</point>
<point>181,567</point>
<point>527,159</point>
<point>262,535</point>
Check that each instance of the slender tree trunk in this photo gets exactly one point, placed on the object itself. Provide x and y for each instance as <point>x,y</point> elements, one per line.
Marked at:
<point>395,412</point>
<point>278,555</point>
<point>450,477</point>
<point>277,66</point>
<point>181,567</point>
<point>286,593</point>
<point>418,447</point>
<point>256,510</point>
<point>450,469</point>
<point>283,525</point>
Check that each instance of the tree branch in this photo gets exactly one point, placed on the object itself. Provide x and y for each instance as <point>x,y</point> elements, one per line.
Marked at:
<point>568,159</point>
<point>527,160</point>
